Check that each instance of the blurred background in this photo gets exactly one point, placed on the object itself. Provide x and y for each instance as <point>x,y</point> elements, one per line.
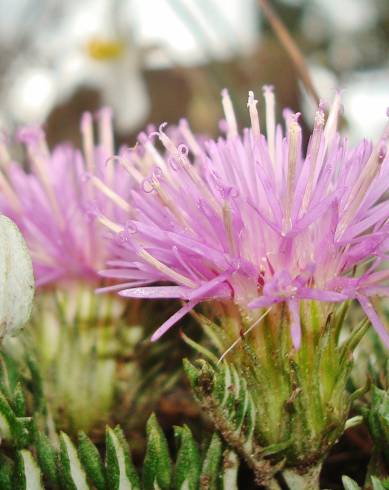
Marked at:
<point>157,60</point>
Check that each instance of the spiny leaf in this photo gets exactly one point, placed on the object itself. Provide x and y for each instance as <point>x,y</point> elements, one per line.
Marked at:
<point>378,485</point>
<point>72,475</point>
<point>6,472</point>
<point>199,348</point>
<point>349,484</point>
<point>212,464</point>
<point>157,467</point>
<point>18,402</point>
<point>12,428</point>
<point>47,458</point>
<point>121,474</point>
<point>188,465</point>
<point>91,461</point>
<point>230,470</point>
<point>191,372</point>
<point>28,474</point>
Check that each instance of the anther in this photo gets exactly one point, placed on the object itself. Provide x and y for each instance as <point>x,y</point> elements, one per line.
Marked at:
<point>230,114</point>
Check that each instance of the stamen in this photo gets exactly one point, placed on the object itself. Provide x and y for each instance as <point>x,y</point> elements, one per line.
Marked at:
<point>294,141</point>
<point>106,136</point>
<point>38,154</point>
<point>331,126</point>
<point>152,152</point>
<point>175,276</point>
<point>118,200</point>
<point>111,225</point>
<point>189,137</point>
<point>154,184</point>
<point>230,114</point>
<point>130,168</point>
<point>313,152</point>
<point>254,117</point>
<point>9,193</point>
<point>234,344</point>
<point>270,120</point>
<point>87,141</point>
<point>165,140</point>
<point>5,158</point>
<point>227,218</point>
<point>361,187</point>
<point>105,129</point>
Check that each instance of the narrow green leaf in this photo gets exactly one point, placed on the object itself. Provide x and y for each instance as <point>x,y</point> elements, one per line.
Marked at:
<point>203,351</point>
<point>349,484</point>
<point>6,472</point>
<point>157,467</point>
<point>7,418</point>
<point>73,476</point>
<point>28,475</point>
<point>91,461</point>
<point>353,422</point>
<point>191,373</point>
<point>19,402</point>
<point>230,470</point>
<point>377,485</point>
<point>211,469</point>
<point>120,471</point>
<point>188,463</point>
<point>11,428</point>
<point>47,458</point>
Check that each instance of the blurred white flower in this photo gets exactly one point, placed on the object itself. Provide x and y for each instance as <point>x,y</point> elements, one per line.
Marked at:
<point>53,59</point>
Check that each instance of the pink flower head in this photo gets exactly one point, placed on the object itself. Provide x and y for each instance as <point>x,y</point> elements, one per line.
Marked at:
<point>256,220</point>
<point>56,200</point>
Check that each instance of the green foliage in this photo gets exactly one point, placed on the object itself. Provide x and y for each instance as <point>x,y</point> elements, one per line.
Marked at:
<point>81,467</point>
<point>157,467</point>
<point>34,457</point>
<point>374,483</point>
<point>377,418</point>
<point>225,397</point>
<point>188,464</point>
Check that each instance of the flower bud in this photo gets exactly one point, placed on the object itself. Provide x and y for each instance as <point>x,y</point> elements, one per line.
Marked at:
<point>16,279</point>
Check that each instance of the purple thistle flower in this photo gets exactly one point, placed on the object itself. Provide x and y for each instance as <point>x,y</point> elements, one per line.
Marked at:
<point>253,219</point>
<point>55,202</point>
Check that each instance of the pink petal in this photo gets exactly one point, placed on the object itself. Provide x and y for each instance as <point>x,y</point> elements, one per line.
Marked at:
<point>373,317</point>
<point>157,292</point>
<point>295,325</point>
<point>173,319</point>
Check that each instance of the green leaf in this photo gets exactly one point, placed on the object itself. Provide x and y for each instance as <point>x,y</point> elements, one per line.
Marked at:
<point>157,467</point>
<point>191,372</point>
<point>212,464</point>
<point>72,475</point>
<point>230,470</point>
<point>47,458</point>
<point>12,428</point>
<point>91,461</point>
<point>19,402</point>
<point>28,474</point>
<point>188,463</point>
<point>121,473</point>
<point>378,420</point>
<point>200,349</point>
<point>377,485</point>
<point>6,472</point>
<point>350,484</point>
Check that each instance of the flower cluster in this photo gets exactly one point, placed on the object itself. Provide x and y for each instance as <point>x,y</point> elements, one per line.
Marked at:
<point>55,201</point>
<point>253,219</point>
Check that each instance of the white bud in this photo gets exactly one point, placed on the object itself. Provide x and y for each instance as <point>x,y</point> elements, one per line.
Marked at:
<point>16,279</point>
